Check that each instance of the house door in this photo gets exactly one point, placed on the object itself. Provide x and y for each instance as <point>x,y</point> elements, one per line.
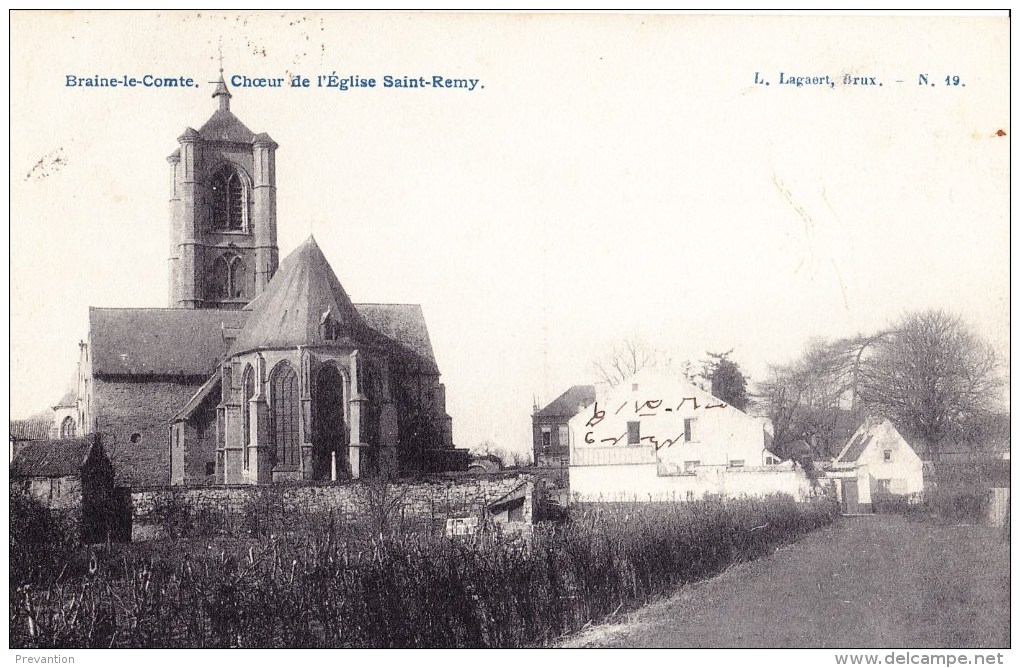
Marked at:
<point>330,433</point>
<point>850,498</point>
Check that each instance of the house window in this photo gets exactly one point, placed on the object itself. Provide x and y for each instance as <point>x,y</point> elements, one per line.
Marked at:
<point>771,460</point>
<point>887,455</point>
<point>689,466</point>
<point>736,463</point>
<point>563,435</point>
<point>546,437</point>
<point>283,399</point>
<point>634,387</point>
<point>229,200</point>
<point>249,391</point>
<point>67,428</point>
<point>633,433</point>
<point>689,434</point>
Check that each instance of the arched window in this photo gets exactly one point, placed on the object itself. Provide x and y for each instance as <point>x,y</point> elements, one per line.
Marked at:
<point>229,200</point>
<point>248,383</point>
<point>283,406</point>
<point>236,274</point>
<point>227,280</point>
<point>67,428</point>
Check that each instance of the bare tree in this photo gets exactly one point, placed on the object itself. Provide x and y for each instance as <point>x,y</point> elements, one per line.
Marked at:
<point>626,358</point>
<point>933,376</point>
<point>811,398</point>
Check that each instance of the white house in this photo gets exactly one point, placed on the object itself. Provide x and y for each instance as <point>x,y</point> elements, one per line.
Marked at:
<point>656,437</point>
<point>876,463</point>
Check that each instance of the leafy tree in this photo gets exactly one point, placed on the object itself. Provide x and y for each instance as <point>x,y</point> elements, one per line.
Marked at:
<point>727,381</point>
<point>934,377</point>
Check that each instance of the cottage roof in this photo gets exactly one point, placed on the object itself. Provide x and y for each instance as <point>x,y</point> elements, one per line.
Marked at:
<point>568,403</point>
<point>159,341</point>
<point>32,428</point>
<point>872,429</point>
<point>50,459</point>
<point>856,447</point>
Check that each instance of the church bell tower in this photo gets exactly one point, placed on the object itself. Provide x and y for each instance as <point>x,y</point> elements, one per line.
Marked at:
<point>223,248</point>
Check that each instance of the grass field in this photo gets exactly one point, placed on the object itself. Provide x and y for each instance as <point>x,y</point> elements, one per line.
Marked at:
<point>312,588</point>
<point>877,581</point>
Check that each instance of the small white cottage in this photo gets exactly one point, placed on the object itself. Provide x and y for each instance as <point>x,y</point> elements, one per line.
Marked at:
<point>876,464</point>
<point>658,437</point>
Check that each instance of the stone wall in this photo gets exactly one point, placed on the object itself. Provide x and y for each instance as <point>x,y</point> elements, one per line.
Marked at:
<point>425,502</point>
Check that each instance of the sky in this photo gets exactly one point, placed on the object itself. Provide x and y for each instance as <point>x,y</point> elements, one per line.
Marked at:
<point>609,177</point>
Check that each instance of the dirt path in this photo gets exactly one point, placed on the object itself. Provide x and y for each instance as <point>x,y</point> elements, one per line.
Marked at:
<point>875,581</point>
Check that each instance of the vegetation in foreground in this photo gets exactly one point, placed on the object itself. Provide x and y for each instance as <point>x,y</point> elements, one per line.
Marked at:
<point>312,589</point>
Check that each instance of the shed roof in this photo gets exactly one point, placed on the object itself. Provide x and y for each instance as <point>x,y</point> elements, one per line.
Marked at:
<point>50,459</point>
<point>568,403</point>
<point>159,341</point>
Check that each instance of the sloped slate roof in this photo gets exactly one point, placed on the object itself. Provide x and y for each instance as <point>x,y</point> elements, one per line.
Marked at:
<point>69,399</point>
<point>36,427</point>
<point>189,342</point>
<point>159,341</point>
<point>858,444</point>
<point>404,323</point>
<point>567,403</point>
<point>208,387</point>
<point>291,311</point>
<point>224,126</point>
<point>50,459</point>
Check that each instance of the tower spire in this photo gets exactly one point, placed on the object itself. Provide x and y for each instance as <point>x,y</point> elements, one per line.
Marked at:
<point>221,88</point>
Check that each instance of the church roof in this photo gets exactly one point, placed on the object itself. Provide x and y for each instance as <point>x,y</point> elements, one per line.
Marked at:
<point>404,323</point>
<point>69,399</point>
<point>224,126</point>
<point>291,311</point>
<point>159,341</point>
<point>138,341</point>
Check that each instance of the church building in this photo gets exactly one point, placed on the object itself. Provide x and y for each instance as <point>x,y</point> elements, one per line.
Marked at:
<point>259,371</point>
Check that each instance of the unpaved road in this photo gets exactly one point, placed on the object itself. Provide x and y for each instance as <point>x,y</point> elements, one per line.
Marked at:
<point>875,581</point>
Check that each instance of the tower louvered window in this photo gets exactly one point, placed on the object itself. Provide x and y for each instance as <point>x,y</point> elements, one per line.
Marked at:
<point>284,409</point>
<point>227,279</point>
<point>228,200</point>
